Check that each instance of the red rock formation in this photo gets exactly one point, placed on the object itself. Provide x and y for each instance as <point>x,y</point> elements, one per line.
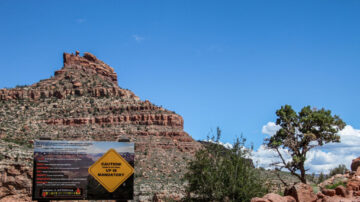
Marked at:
<point>172,120</point>
<point>87,66</point>
<point>90,64</point>
<point>83,102</point>
<point>37,94</point>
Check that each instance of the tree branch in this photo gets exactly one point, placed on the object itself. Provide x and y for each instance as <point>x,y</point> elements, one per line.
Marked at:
<point>285,165</point>
<point>278,175</point>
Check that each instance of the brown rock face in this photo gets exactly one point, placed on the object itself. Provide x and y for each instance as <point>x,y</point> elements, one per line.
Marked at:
<point>83,102</point>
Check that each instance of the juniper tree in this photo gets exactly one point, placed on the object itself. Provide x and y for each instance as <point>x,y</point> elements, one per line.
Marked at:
<point>301,132</point>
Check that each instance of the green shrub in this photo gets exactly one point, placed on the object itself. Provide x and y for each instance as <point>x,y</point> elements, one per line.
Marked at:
<point>315,188</point>
<point>217,173</point>
<point>322,178</point>
<point>333,186</point>
<point>341,169</point>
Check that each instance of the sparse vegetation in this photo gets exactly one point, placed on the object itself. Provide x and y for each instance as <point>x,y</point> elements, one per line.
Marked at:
<point>333,186</point>
<point>341,169</point>
<point>321,178</point>
<point>21,86</point>
<point>218,173</point>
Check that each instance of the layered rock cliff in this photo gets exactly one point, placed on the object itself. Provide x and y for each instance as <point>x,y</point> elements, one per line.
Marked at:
<point>83,101</point>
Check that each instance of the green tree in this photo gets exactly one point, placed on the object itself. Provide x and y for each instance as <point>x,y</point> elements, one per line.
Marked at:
<point>341,169</point>
<point>321,178</point>
<point>218,173</point>
<point>311,177</point>
<point>300,132</point>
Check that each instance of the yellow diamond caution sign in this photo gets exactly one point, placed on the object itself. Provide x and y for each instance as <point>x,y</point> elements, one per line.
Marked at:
<point>111,170</point>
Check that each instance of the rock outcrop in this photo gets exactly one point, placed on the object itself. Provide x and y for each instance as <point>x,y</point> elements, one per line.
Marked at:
<point>301,192</point>
<point>83,101</point>
<point>304,193</point>
<point>79,76</point>
<point>338,178</point>
<point>355,164</point>
<point>89,64</point>
<point>271,197</point>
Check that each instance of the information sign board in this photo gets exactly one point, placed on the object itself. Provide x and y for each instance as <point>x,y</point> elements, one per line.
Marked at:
<point>76,170</point>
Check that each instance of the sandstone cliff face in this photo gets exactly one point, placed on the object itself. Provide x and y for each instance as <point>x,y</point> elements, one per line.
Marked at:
<point>83,101</point>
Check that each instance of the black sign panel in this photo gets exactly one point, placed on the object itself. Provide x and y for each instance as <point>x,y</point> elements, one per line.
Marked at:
<point>65,170</point>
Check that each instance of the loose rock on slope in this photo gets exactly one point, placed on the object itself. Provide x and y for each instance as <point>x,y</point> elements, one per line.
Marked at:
<point>304,192</point>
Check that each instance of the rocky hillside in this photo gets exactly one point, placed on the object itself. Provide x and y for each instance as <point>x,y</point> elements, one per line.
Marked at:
<point>339,188</point>
<point>83,101</point>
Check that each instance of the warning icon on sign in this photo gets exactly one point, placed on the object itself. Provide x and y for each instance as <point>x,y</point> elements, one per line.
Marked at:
<point>111,170</point>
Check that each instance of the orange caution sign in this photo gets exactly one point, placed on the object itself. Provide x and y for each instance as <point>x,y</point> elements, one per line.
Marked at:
<point>111,170</point>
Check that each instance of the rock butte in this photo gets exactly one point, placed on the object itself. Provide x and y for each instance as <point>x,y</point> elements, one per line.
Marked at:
<point>83,101</point>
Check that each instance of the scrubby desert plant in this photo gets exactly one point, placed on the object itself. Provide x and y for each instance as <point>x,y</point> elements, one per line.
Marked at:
<point>217,173</point>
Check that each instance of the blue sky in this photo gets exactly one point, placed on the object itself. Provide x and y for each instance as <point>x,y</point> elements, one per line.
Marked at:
<point>230,64</point>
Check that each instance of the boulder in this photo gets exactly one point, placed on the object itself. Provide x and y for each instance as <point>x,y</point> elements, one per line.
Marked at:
<point>355,164</point>
<point>290,199</point>
<point>334,179</point>
<point>353,184</point>
<point>274,197</point>
<point>341,191</point>
<point>337,199</point>
<point>271,197</point>
<point>356,193</point>
<point>328,192</point>
<point>301,192</point>
<point>358,171</point>
<point>320,195</point>
<point>257,199</point>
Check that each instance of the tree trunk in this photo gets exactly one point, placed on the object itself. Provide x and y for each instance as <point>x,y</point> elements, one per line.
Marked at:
<point>302,172</point>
